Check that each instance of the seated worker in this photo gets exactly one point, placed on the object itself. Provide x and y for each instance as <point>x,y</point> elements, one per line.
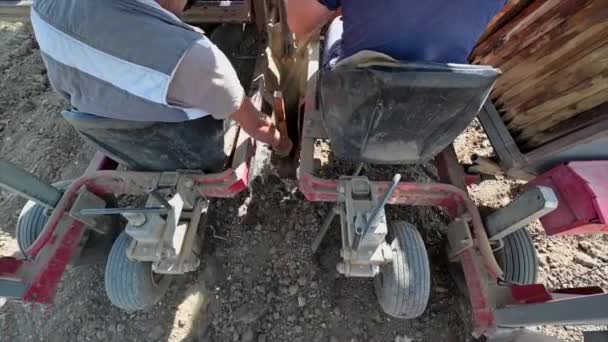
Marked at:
<point>135,60</point>
<point>409,30</point>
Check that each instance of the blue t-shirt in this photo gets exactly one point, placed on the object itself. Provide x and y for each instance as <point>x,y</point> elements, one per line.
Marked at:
<point>444,31</point>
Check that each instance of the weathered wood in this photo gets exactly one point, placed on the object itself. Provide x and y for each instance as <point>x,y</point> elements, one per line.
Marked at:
<point>538,19</point>
<point>544,87</point>
<point>554,58</point>
<point>511,10</point>
<point>586,95</point>
<point>505,147</point>
<point>579,36</point>
<point>595,116</point>
<point>576,138</point>
<point>565,113</point>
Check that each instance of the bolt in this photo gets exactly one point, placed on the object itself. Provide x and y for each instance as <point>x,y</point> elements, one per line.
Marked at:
<point>135,219</point>
<point>341,267</point>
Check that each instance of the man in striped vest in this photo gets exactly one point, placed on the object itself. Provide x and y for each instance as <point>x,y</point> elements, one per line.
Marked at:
<point>136,60</point>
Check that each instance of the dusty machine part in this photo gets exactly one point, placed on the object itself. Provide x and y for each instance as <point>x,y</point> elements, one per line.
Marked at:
<point>526,208</point>
<point>364,228</point>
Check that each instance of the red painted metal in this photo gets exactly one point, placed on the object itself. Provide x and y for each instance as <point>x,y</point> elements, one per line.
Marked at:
<point>479,296</point>
<point>582,191</point>
<point>529,294</point>
<point>45,283</point>
<point>458,203</point>
<point>52,252</point>
<point>581,291</point>
<point>101,162</point>
<point>9,265</point>
<point>470,179</point>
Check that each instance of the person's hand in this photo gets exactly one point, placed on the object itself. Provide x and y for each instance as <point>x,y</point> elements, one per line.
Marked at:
<point>260,127</point>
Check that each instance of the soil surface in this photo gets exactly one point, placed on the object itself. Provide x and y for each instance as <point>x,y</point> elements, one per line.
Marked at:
<point>259,280</point>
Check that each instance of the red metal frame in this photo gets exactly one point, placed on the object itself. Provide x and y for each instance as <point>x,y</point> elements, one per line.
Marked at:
<point>457,202</point>
<point>56,246</point>
<point>478,262</point>
<point>583,198</point>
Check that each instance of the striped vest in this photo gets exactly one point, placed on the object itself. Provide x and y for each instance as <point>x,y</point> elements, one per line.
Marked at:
<point>114,58</point>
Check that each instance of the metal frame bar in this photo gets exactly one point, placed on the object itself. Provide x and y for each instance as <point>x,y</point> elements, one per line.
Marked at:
<point>569,310</point>
<point>27,185</point>
<point>527,165</point>
<point>527,207</point>
<point>505,146</point>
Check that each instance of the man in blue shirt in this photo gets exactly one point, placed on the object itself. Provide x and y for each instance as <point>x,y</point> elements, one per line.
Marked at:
<point>410,30</point>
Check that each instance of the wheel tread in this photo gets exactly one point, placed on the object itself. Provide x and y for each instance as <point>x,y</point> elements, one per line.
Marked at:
<point>129,284</point>
<point>518,258</point>
<point>405,291</point>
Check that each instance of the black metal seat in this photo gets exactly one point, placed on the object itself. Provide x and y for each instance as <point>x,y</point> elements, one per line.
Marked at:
<point>155,146</point>
<point>400,114</point>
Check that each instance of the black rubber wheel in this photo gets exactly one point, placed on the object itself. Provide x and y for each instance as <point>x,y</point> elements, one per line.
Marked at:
<point>32,219</point>
<point>131,285</point>
<point>403,286</point>
<point>518,258</point>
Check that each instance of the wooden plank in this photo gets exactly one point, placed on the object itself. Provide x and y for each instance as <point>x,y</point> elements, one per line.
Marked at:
<point>538,19</point>
<point>579,137</point>
<point>551,104</point>
<point>541,88</point>
<point>570,43</point>
<point>566,113</point>
<point>578,36</point>
<point>506,14</point>
<point>583,97</point>
<point>594,116</point>
<point>500,138</point>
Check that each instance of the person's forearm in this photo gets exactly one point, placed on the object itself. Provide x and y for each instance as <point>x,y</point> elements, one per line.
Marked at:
<point>257,124</point>
<point>304,16</point>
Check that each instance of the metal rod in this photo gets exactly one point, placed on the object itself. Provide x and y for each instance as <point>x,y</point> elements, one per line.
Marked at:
<point>324,229</point>
<point>17,180</point>
<point>387,197</point>
<point>527,207</point>
<point>376,211</point>
<point>118,211</point>
<point>330,218</point>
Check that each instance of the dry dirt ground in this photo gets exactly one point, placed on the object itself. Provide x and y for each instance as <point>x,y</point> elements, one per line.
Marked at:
<point>259,281</point>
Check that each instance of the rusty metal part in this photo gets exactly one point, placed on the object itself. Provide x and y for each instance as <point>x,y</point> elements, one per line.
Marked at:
<point>281,123</point>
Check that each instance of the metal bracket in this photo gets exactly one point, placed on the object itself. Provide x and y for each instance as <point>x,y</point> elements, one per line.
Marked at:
<point>529,206</point>
<point>17,180</point>
<point>87,200</point>
<point>186,259</point>
<point>364,229</point>
<point>459,238</point>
